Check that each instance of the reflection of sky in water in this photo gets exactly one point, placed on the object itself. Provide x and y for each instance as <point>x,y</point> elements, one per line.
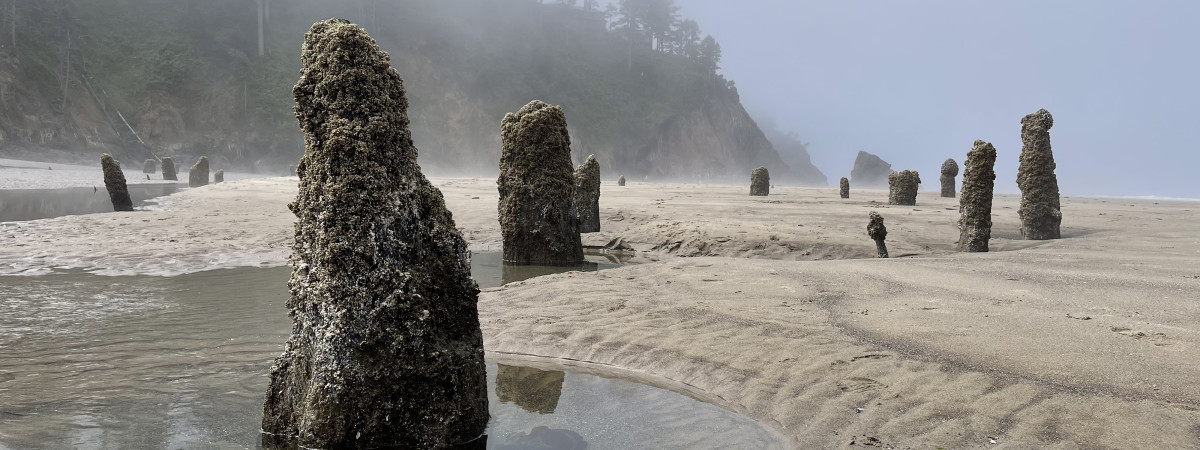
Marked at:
<point>182,362</point>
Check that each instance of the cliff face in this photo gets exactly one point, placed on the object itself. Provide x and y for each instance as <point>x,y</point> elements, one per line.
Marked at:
<point>190,81</point>
<point>717,141</point>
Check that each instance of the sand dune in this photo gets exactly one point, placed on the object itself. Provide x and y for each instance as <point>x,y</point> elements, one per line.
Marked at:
<point>773,307</point>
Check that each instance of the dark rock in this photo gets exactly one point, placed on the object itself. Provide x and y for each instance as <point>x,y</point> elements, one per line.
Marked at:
<point>621,181</point>
<point>760,182</point>
<point>114,182</point>
<point>537,213</point>
<point>844,187</point>
<point>949,172</point>
<point>386,349</point>
<point>168,169</point>
<point>975,206</point>
<point>1041,214</point>
<point>903,188</point>
<point>870,171</point>
<point>150,166</point>
<point>587,195</point>
<point>878,233</point>
<point>219,176</point>
<point>198,175</point>
<point>532,389</point>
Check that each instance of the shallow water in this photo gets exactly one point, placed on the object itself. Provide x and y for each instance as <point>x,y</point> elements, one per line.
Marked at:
<point>91,361</point>
<point>34,204</point>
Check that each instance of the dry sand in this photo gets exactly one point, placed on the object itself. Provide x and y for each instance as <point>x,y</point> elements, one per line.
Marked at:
<point>1086,342</point>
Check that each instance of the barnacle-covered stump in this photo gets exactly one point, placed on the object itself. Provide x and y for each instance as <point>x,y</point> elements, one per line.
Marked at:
<point>903,188</point>
<point>168,169</point>
<point>975,206</point>
<point>587,195</point>
<point>878,233</point>
<point>386,349</point>
<point>198,175</point>
<point>760,182</point>
<point>1041,214</point>
<point>949,173</point>
<point>114,182</point>
<point>537,214</point>
<point>844,188</point>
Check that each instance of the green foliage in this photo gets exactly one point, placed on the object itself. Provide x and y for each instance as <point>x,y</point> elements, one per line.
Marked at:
<point>618,83</point>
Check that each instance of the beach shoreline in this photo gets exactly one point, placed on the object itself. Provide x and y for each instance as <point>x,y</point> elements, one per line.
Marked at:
<point>775,307</point>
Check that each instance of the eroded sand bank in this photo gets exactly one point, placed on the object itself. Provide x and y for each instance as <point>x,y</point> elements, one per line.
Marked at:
<point>1086,342</point>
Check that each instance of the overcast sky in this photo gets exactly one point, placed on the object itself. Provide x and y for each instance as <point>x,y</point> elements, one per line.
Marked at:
<point>916,82</point>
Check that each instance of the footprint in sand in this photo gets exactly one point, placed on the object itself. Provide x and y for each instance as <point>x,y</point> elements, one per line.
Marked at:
<point>1158,339</point>
<point>860,384</point>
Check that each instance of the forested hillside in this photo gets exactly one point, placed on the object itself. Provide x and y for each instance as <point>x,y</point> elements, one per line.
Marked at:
<point>185,78</point>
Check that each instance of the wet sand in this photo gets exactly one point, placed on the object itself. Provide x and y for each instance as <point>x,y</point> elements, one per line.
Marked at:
<point>780,313</point>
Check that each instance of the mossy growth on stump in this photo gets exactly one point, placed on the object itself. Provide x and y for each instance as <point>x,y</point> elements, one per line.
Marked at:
<point>537,213</point>
<point>903,187</point>
<point>587,195</point>
<point>114,182</point>
<point>1041,213</point>
<point>975,206</point>
<point>760,182</point>
<point>168,169</point>
<point>386,349</point>
<point>844,187</point>
<point>878,233</point>
<point>949,173</point>
<point>198,175</point>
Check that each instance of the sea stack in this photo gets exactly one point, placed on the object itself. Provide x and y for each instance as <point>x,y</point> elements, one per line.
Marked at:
<point>150,166</point>
<point>587,195</point>
<point>1040,211</point>
<point>621,181</point>
<point>386,349</point>
<point>844,187</point>
<point>219,176</point>
<point>198,175</point>
<point>869,170</point>
<point>949,172</point>
<point>537,209</point>
<point>114,182</point>
<point>975,206</point>
<point>760,182</point>
<point>168,169</point>
<point>878,233</point>
<point>903,188</point>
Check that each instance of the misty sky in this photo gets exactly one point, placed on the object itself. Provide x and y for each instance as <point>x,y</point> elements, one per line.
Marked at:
<point>917,82</point>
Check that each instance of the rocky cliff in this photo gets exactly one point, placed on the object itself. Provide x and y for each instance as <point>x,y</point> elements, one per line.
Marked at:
<point>151,79</point>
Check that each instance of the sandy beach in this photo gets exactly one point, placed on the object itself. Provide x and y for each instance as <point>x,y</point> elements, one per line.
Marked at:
<point>774,307</point>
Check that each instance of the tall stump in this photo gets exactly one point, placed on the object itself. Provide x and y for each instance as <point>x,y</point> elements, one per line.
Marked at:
<point>219,176</point>
<point>537,213</point>
<point>587,195</point>
<point>386,349</point>
<point>1041,213</point>
<point>168,169</point>
<point>844,188</point>
<point>198,175</point>
<point>150,166</point>
<point>975,206</point>
<point>760,182</point>
<point>949,172</point>
<point>114,182</point>
<point>621,181</point>
<point>902,188</point>
<point>878,233</point>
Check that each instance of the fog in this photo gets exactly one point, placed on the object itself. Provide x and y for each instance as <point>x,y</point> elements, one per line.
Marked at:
<point>917,82</point>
